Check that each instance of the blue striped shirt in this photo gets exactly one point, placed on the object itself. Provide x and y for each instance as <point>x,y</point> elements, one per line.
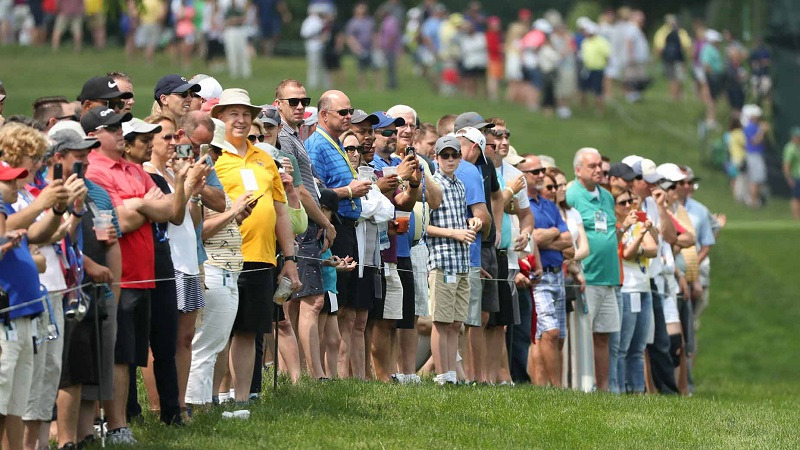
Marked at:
<point>333,170</point>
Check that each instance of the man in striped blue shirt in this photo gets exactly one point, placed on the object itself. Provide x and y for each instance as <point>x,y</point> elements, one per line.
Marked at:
<point>335,172</point>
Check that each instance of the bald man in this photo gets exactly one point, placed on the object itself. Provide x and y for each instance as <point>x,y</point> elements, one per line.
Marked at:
<point>335,172</point>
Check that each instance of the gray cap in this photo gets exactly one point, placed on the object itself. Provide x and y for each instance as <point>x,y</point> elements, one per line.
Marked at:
<point>360,115</point>
<point>446,142</point>
<point>471,119</point>
<point>269,114</point>
<point>66,139</point>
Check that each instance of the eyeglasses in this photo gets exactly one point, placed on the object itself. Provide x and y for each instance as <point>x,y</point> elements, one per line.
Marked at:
<point>685,182</point>
<point>388,133</point>
<point>110,128</point>
<point>638,177</point>
<point>449,155</point>
<point>116,104</point>
<point>255,137</point>
<point>354,148</point>
<point>170,137</point>
<point>294,101</point>
<point>538,171</point>
<point>672,187</point>
<point>72,117</point>
<point>626,202</point>
<point>551,187</point>
<point>500,133</point>
<point>344,112</point>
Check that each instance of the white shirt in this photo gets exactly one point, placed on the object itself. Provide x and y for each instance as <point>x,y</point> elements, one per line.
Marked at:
<point>53,276</point>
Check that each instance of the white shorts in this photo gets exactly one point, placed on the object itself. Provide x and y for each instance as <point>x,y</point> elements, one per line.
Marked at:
<point>16,367</point>
<point>393,304</point>
<point>603,309</point>
<point>670,302</point>
<point>419,264</point>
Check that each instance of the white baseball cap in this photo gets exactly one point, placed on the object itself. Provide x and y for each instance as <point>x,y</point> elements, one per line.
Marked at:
<point>671,172</point>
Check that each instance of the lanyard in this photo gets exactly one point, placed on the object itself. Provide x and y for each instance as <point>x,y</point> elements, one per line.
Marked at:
<point>338,149</point>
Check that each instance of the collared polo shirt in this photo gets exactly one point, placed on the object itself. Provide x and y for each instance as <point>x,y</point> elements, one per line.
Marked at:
<point>333,169</point>
<point>123,180</point>
<point>698,214</point>
<point>601,267</point>
<point>258,230</point>
<point>469,174</point>
<point>546,215</point>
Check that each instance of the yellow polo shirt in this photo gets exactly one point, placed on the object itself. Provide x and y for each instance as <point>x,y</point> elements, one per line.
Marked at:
<point>258,230</point>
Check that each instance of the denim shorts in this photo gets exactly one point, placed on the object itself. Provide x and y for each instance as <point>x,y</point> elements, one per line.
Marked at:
<point>549,299</point>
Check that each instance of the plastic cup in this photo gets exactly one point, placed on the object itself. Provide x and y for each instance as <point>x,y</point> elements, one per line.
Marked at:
<point>101,227</point>
<point>366,173</point>
<point>106,213</point>
<point>390,171</point>
<point>402,218</point>
<point>283,292</point>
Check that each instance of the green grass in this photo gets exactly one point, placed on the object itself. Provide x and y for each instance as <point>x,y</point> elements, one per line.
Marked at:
<point>747,366</point>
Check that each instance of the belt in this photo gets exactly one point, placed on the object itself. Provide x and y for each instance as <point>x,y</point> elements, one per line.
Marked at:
<point>348,222</point>
<point>502,251</point>
<point>551,269</point>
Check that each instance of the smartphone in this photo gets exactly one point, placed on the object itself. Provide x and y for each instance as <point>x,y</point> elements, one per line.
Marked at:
<point>183,151</point>
<point>641,216</point>
<point>254,201</point>
<point>77,168</point>
<point>411,151</point>
<point>58,171</point>
<point>204,148</point>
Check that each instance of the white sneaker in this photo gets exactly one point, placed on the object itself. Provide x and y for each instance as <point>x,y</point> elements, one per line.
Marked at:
<point>399,378</point>
<point>121,436</point>
<point>451,377</point>
<point>412,378</point>
<point>440,379</point>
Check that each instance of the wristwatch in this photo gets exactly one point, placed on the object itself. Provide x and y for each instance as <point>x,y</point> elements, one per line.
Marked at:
<point>290,258</point>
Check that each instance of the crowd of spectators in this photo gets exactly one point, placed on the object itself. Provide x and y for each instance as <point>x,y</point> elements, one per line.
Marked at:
<point>381,246</point>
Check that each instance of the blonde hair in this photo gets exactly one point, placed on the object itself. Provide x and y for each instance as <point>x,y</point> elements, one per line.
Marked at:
<point>18,141</point>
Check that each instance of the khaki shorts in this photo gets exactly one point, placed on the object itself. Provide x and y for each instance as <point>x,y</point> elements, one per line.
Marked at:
<point>449,301</point>
<point>47,368</point>
<point>16,368</point>
<point>603,309</point>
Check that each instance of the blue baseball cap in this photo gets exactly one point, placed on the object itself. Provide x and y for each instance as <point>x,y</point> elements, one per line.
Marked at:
<point>174,84</point>
<point>384,120</point>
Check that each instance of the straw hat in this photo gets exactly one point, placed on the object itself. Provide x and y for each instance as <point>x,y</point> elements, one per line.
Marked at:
<point>235,96</point>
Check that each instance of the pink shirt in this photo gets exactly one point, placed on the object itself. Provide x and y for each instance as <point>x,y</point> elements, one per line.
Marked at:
<point>123,180</point>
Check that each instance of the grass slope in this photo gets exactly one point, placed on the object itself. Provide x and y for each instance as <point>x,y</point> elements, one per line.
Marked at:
<point>747,386</point>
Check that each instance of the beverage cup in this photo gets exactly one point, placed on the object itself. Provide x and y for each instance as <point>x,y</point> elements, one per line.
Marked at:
<point>641,216</point>
<point>101,227</point>
<point>283,292</point>
<point>106,213</point>
<point>366,173</point>
<point>390,171</point>
<point>402,218</point>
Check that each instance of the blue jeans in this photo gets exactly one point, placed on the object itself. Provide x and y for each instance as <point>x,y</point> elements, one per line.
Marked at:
<point>614,368</point>
<point>632,341</point>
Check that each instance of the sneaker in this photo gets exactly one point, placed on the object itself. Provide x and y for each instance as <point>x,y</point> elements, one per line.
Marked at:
<point>451,377</point>
<point>398,378</point>
<point>121,436</point>
<point>440,379</point>
<point>412,378</point>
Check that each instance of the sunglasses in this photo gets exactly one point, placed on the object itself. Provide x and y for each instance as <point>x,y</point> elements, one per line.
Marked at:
<point>344,112</point>
<point>672,187</point>
<point>354,148</point>
<point>500,133</point>
<point>685,182</point>
<point>72,117</point>
<point>538,171</point>
<point>305,101</point>
<point>184,94</point>
<point>170,137</point>
<point>450,155</point>
<point>625,202</point>
<point>388,133</point>
<point>255,137</point>
<point>116,104</point>
<point>110,128</point>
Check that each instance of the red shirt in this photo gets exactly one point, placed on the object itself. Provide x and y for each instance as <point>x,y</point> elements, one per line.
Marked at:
<point>123,180</point>
<point>494,45</point>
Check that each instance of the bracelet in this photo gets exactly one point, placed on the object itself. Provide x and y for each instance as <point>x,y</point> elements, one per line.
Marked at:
<point>509,190</point>
<point>195,198</point>
<point>59,213</point>
<point>349,192</point>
